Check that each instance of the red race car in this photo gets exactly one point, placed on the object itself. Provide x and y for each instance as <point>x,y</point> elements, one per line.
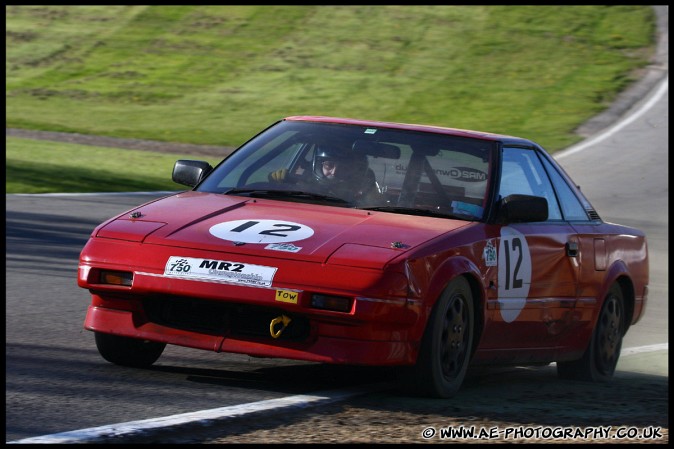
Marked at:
<point>370,243</point>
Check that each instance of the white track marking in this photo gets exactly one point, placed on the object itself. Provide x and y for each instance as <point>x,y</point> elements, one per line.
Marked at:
<point>662,90</point>
<point>203,417</point>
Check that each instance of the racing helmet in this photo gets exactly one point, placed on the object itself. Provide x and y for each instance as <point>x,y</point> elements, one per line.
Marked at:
<point>340,161</point>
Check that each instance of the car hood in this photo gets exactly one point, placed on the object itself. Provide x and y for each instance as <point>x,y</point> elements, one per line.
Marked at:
<point>277,229</point>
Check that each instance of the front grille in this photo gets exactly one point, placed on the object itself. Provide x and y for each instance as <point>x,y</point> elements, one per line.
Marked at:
<point>224,319</point>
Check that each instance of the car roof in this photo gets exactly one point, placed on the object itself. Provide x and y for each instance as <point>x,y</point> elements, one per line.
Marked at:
<point>512,140</point>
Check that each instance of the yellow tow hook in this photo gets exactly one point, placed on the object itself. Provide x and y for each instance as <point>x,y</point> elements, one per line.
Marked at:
<point>284,320</point>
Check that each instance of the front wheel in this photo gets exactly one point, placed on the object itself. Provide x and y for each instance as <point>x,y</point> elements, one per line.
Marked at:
<point>446,346</point>
<point>601,356</point>
<point>127,351</point>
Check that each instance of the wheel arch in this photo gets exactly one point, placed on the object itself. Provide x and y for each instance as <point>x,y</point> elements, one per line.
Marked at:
<point>462,267</point>
<point>618,274</point>
<point>627,288</point>
<point>478,307</point>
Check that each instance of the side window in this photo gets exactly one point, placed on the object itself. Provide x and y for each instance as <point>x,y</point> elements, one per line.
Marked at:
<point>522,173</point>
<point>571,206</point>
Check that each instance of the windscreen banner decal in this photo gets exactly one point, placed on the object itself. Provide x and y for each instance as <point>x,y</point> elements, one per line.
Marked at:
<point>220,271</point>
<point>464,174</point>
<point>467,174</point>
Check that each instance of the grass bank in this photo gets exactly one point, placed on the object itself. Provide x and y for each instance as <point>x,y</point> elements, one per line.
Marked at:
<point>218,74</point>
<point>37,166</point>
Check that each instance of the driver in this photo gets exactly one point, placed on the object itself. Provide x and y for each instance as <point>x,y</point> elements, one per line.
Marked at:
<point>339,171</point>
<point>333,165</point>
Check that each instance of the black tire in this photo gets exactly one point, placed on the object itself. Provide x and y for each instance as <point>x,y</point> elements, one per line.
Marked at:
<point>127,351</point>
<point>446,346</point>
<point>601,356</point>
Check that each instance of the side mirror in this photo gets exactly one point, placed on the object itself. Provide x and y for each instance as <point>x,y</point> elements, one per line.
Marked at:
<point>190,173</point>
<point>522,209</point>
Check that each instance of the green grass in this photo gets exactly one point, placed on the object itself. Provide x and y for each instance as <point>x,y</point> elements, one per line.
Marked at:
<point>36,166</point>
<point>218,74</point>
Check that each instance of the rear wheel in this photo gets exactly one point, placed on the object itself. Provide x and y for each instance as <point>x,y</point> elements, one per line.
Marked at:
<point>446,345</point>
<point>601,356</point>
<point>128,351</point>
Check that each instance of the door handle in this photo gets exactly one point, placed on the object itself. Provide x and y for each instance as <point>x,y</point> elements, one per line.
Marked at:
<point>572,249</point>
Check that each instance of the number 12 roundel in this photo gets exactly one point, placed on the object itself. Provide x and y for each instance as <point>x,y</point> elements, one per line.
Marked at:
<point>261,231</point>
<point>514,273</point>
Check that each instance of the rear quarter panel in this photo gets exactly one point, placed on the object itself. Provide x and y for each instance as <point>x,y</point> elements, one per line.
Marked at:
<point>610,252</point>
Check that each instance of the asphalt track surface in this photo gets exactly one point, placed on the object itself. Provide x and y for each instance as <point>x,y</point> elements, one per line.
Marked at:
<point>637,399</point>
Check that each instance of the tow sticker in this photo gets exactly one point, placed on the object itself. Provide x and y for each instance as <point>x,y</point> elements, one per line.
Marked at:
<point>514,273</point>
<point>261,231</point>
<point>287,296</point>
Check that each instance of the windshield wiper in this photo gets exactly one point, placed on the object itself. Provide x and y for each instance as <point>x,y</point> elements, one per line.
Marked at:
<point>289,194</point>
<point>419,211</point>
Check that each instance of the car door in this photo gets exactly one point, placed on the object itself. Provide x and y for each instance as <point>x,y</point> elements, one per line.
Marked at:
<point>531,304</point>
<point>595,240</point>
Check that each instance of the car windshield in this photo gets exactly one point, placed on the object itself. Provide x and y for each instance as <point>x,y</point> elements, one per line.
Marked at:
<point>367,167</point>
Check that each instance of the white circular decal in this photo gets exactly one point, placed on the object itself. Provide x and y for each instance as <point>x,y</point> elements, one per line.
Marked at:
<point>261,231</point>
<point>514,273</point>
